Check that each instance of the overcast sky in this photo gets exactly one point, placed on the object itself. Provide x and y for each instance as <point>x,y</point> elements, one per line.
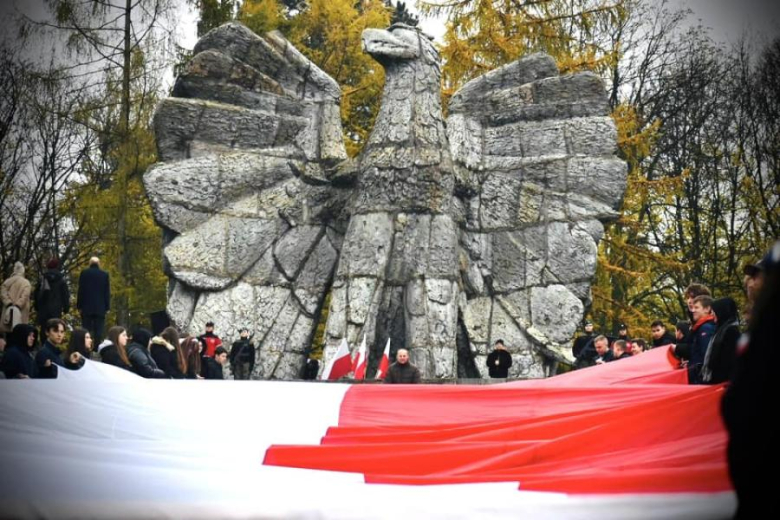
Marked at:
<point>727,18</point>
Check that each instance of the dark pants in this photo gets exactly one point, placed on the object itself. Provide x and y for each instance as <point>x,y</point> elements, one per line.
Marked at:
<point>241,370</point>
<point>94,323</point>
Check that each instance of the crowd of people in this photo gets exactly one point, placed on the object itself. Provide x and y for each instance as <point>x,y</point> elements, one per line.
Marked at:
<point>706,343</point>
<point>30,352</point>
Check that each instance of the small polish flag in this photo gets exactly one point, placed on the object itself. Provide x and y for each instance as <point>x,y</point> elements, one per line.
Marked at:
<point>384,364</point>
<point>359,364</point>
<point>340,365</point>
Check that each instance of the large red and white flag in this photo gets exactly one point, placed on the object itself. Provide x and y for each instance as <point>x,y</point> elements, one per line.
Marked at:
<point>360,362</point>
<point>521,448</point>
<point>340,364</point>
<point>384,364</point>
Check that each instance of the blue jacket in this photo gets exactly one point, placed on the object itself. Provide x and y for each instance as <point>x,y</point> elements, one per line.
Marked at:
<point>94,297</point>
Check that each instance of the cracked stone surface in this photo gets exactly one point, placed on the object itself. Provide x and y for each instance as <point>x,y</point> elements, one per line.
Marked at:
<point>442,235</point>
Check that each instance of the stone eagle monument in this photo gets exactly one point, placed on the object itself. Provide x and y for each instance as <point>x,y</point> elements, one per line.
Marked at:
<point>442,235</point>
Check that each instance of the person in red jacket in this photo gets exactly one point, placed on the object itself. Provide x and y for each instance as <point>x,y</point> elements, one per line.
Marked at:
<point>211,340</point>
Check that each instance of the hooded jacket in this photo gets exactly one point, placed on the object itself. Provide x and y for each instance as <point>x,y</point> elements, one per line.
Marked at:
<point>55,301</point>
<point>16,291</point>
<point>721,354</point>
<point>18,359</point>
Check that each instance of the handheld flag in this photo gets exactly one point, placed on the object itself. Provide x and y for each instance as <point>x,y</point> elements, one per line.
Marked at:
<point>340,365</point>
<point>384,364</point>
<point>360,362</point>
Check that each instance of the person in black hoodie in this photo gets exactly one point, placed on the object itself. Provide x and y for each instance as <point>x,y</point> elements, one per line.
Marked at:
<point>721,353</point>
<point>140,359</point>
<point>52,297</point>
<point>499,361</point>
<point>18,361</point>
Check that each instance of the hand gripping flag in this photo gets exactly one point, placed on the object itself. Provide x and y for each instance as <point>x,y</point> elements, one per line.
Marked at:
<point>360,362</point>
<point>340,365</point>
<point>384,364</point>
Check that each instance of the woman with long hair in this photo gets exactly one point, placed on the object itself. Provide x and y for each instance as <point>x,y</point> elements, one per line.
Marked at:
<point>192,348</point>
<point>167,353</point>
<point>81,342</point>
<point>113,349</point>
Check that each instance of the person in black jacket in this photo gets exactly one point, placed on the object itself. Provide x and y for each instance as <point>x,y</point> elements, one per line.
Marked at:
<point>140,359</point>
<point>214,364</point>
<point>49,358</point>
<point>166,352</point>
<point>582,341</point>
<point>242,356</point>
<point>402,371</point>
<point>94,298</point>
<point>721,353</point>
<point>18,361</point>
<point>113,350</point>
<point>660,335</point>
<point>499,361</point>
<point>52,297</point>
<point>750,401</point>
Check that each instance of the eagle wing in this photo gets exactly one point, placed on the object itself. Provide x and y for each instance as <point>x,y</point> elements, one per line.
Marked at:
<point>247,143</point>
<point>537,175</point>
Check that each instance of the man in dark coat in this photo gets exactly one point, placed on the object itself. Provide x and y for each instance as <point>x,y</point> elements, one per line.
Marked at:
<point>750,400</point>
<point>660,335</point>
<point>499,361</point>
<point>94,298</point>
<point>700,334</point>
<point>402,371</point>
<point>242,356</point>
<point>18,361</point>
<point>52,297</point>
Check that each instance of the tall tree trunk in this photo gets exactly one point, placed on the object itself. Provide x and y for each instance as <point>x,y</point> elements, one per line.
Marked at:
<point>122,304</point>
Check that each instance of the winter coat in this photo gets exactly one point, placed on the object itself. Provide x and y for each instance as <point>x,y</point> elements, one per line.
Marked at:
<point>109,354</point>
<point>55,301</point>
<point>142,362</point>
<point>243,351</point>
<point>94,295</point>
<point>498,363</point>
<point>402,374</point>
<point>580,343</point>
<point>666,339</point>
<point>18,359</point>
<point>16,290</point>
<point>48,353</point>
<point>721,355</point>
<point>164,354</point>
